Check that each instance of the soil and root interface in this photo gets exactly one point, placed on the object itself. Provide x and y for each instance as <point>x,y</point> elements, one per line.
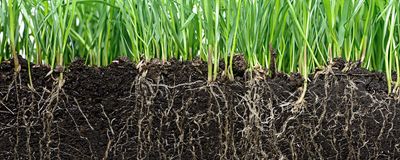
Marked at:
<point>169,111</point>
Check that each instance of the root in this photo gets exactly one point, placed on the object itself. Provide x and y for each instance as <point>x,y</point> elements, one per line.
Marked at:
<point>110,138</point>
<point>47,117</point>
<point>17,84</point>
<point>83,114</point>
<point>300,103</point>
<point>8,109</point>
<point>78,130</point>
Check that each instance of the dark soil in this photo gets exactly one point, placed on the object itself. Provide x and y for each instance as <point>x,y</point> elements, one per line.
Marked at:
<point>168,111</point>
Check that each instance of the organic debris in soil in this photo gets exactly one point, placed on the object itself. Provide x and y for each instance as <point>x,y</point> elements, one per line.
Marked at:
<point>169,111</point>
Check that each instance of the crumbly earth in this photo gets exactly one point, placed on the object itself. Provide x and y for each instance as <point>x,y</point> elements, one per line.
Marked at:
<point>169,111</point>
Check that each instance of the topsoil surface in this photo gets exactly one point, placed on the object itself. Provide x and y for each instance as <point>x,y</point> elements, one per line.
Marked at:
<point>169,111</point>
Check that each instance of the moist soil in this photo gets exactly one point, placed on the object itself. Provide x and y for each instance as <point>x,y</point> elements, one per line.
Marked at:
<point>169,111</point>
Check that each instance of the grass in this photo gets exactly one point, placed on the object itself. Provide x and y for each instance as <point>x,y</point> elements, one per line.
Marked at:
<point>11,29</point>
<point>306,34</point>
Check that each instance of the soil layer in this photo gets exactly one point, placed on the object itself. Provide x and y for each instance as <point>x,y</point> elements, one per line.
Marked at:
<point>169,111</point>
